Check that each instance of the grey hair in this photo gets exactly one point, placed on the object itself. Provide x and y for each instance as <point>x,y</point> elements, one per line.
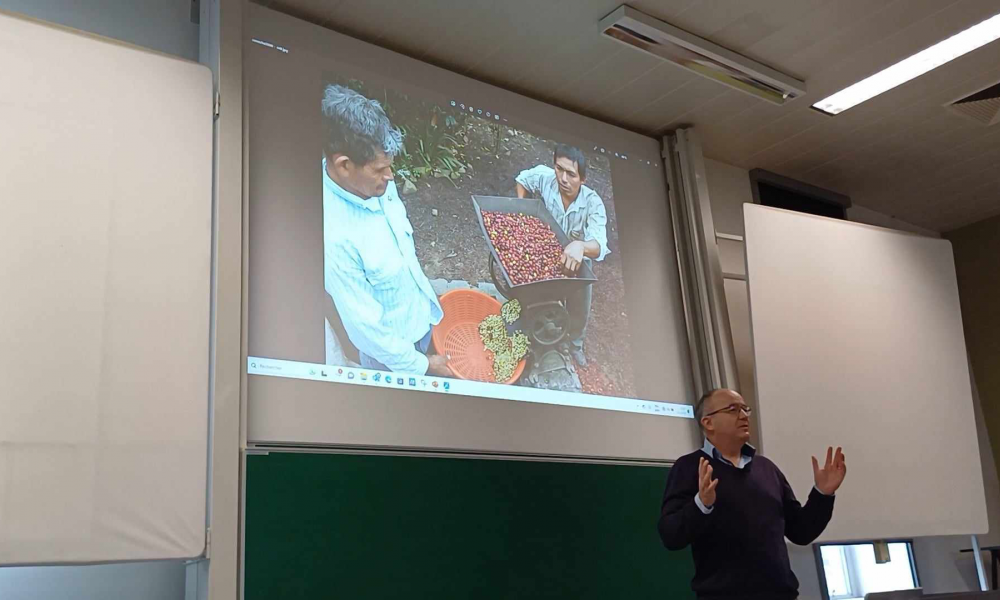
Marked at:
<point>357,127</point>
<point>699,406</point>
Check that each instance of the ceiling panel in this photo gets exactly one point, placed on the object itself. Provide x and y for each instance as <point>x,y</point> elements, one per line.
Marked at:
<point>656,83</point>
<point>817,36</point>
<point>706,114</point>
<point>902,153</point>
<point>621,67</point>
<point>673,105</point>
<point>711,16</point>
<point>765,20</point>
<point>569,53</point>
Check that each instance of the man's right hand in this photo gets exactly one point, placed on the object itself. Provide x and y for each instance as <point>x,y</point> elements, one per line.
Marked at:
<point>438,365</point>
<point>706,485</point>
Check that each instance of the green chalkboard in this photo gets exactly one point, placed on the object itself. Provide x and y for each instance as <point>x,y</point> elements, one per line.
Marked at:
<point>322,526</point>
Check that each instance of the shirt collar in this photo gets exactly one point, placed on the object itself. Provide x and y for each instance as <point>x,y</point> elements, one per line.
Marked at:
<point>709,449</point>
<point>372,204</point>
<point>577,202</point>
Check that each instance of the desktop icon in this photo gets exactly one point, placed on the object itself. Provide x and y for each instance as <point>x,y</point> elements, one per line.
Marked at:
<point>399,380</point>
<point>350,375</point>
<point>340,371</point>
<point>423,382</point>
<point>312,371</point>
<point>413,381</point>
<point>376,377</point>
<point>364,376</point>
<point>434,384</point>
<point>323,373</point>
<point>253,365</point>
<point>446,385</point>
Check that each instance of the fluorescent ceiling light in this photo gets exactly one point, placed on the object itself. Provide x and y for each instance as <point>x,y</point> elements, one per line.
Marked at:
<point>666,42</point>
<point>912,67</point>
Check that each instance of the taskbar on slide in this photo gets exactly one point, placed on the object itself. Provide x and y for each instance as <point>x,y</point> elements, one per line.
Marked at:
<point>444,385</point>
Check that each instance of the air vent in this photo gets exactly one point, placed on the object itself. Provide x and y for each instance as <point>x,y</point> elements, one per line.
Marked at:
<point>983,106</point>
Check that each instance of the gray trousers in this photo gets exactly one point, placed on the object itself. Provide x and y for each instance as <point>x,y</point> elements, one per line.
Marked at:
<point>578,307</point>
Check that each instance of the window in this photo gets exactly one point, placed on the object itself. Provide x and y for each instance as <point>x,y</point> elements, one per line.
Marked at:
<point>772,195</point>
<point>849,572</point>
<point>771,189</point>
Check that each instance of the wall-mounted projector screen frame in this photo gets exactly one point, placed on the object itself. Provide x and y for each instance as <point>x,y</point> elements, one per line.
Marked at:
<point>285,61</point>
<point>858,342</point>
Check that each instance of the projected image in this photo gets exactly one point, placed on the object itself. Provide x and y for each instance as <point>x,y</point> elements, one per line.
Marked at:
<point>458,246</point>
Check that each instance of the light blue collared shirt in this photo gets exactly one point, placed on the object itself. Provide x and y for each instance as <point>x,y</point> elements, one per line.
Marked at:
<point>585,219</point>
<point>746,454</point>
<point>370,269</point>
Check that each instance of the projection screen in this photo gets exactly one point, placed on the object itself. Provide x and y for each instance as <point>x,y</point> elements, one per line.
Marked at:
<point>437,263</point>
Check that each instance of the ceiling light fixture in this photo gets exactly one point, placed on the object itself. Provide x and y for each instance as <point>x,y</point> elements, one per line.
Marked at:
<point>941,53</point>
<point>664,41</point>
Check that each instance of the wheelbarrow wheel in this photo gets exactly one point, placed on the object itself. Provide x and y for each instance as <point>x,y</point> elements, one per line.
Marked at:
<point>548,323</point>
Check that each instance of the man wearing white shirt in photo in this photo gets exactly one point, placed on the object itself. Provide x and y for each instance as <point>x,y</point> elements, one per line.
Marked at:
<point>370,267</point>
<point>580,213</point>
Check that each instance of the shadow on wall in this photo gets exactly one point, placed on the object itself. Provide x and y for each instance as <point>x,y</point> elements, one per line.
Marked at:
<point>164,26</point>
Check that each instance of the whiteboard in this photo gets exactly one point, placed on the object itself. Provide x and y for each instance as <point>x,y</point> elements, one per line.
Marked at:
<point>858,341</point>
<point>105,241</point>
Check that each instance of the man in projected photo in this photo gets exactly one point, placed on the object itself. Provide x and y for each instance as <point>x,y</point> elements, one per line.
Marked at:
<point>370,266</point>
<point>581,214</point>
<point>736,522</point>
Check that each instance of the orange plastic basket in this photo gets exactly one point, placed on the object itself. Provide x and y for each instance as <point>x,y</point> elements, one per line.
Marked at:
<point>457,335</point>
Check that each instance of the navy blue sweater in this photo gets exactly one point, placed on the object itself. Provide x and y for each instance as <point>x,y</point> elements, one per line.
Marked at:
<point>739,548</point>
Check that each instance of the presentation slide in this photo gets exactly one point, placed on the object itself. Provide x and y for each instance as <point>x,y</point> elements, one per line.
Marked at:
<point>408,236</point>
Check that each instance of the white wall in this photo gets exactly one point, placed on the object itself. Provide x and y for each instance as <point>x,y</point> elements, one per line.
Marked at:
<point>128,581</point>
<point>941,567</point>
<point>163,25</point>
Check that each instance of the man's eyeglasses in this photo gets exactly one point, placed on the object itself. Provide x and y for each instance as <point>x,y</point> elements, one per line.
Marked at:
<point>732,409</point>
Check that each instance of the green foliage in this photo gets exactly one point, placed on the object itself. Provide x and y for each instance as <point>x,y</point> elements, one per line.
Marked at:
<point>432,146</point>
<point>434,141</point>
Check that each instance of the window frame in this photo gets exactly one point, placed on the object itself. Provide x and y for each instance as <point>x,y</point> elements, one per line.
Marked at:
<point>851,575</point>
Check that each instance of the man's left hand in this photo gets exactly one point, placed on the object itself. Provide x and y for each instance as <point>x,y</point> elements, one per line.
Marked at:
<point>829,478</point>
<point>572,256</point>
<point>438,365</point>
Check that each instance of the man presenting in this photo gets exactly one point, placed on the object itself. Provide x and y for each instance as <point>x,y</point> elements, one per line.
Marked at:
<point>370,263</point>
<point>735,507</point>
<point>580,213</point>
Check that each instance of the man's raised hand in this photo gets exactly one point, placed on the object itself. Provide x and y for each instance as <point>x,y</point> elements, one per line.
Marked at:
<point>706,485</point>
<point>829,478</point>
